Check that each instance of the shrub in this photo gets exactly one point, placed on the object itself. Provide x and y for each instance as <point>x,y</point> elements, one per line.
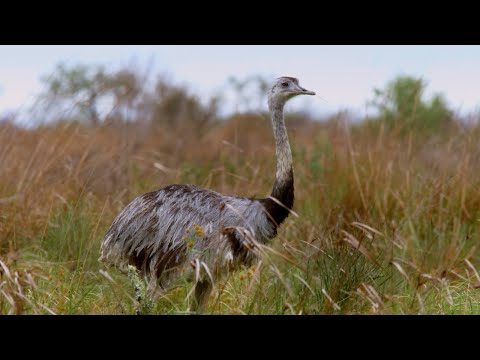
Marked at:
<point>401,104</point>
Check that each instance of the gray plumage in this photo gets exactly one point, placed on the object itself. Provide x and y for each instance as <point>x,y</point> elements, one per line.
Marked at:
<point>202,233</point>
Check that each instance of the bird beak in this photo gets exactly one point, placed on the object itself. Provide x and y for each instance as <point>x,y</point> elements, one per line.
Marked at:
<point>305,91</point>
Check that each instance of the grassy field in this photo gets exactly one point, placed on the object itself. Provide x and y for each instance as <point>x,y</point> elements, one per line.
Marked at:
<point>388,221</point>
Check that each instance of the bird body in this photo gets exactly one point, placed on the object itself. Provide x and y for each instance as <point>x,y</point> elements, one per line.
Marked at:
<point>202,233</point>
<point>161,230</point>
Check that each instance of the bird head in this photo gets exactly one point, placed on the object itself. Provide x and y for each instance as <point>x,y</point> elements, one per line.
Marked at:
<point>284,89</point>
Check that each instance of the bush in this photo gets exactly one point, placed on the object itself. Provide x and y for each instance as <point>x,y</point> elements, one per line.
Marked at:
<point>401,104</point>
<point>92,95</point>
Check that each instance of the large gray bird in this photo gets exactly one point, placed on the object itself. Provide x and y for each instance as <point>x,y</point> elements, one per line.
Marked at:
<point>199,232</point>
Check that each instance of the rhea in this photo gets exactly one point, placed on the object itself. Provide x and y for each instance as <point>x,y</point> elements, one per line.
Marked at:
<point>199,232</point>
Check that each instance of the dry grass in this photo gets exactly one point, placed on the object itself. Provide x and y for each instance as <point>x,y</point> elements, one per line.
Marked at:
<point>388,222</point>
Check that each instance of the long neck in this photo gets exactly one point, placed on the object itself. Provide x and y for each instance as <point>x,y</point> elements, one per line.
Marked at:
<point>283,187</point>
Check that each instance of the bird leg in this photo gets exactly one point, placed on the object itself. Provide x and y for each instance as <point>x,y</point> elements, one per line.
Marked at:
<point>203,288</point>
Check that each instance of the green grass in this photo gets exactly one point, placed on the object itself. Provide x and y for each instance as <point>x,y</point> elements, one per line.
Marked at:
<point>324,276</point>
<point>387,224</point>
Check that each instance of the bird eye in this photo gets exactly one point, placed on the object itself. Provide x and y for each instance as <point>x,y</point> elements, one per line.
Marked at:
<point>285,84</point>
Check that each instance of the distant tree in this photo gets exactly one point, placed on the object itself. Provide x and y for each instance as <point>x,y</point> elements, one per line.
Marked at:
<point>175,106</point>
<point>90,93</point>
<point>401,103</point>
<point>250,90</point>
<point>126,87</point>
<point>75,90</point>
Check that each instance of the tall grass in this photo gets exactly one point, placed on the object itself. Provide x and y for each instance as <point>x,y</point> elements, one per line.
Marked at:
<point>387,222</point>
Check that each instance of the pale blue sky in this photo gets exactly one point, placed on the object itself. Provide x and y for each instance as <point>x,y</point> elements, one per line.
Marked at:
<point>342,75</point>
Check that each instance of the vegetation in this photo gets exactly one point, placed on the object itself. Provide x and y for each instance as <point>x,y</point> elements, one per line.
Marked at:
<point>93,95</point>
<point>402,105</point>
<point>388,216</point>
